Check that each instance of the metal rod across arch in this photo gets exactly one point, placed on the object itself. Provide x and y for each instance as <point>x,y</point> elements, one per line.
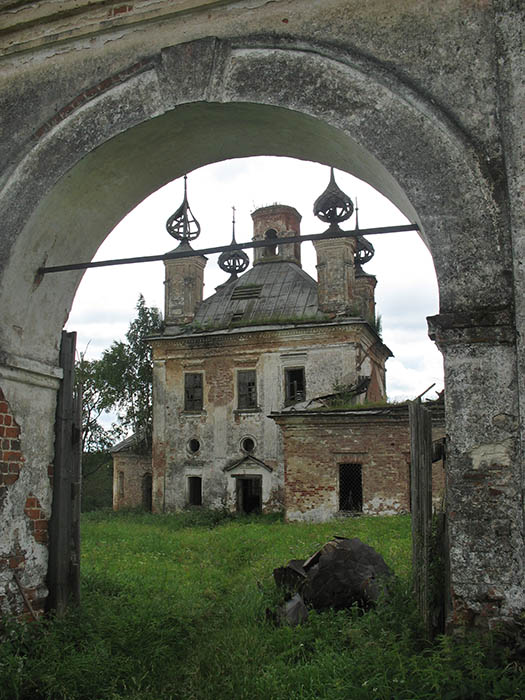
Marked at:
<point>224,248</point>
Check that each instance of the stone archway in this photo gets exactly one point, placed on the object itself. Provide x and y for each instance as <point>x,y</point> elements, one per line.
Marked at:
<point>198,103</point>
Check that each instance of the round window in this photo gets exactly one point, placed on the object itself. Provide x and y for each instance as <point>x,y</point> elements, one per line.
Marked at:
<point>194,445</point>
<point>248,444</point>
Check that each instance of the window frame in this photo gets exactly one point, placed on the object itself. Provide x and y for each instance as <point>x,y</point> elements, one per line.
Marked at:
<point>289,400</point>
<point>193,405</point>
<point>247,400</point>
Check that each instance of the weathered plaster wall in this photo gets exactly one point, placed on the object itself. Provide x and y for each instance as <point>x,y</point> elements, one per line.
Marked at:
<point>316,443</point>
<point>328,352</point>
<point>26,454</point>
<point>128,488</point>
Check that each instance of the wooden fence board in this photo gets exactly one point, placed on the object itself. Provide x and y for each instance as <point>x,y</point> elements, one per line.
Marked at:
<point>421,506</point>
<point>64,541</point>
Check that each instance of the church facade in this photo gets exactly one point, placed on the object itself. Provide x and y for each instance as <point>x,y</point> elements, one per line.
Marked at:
<point>270,338</point>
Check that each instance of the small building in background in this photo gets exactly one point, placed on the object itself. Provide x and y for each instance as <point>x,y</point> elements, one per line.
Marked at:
<point>132,476</point>
<point>340,462</point>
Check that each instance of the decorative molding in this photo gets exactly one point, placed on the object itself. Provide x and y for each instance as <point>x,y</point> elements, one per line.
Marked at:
<point>493,326</point>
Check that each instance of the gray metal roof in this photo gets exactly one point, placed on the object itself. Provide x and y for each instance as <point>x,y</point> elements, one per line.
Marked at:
<point>273,292</point>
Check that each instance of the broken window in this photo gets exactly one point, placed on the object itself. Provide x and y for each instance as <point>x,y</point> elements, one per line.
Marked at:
<point>195,490</point>
<point>294,385</point>
<point>351,487</point>
<point>247,388</point>
<point>193,391</point>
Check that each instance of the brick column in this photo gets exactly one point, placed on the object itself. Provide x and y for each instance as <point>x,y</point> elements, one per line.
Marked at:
<point>183,288</point>
<point>336,275</point>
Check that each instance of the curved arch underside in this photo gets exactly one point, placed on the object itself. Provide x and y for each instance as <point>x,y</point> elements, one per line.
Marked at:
<point>201,103</point>
<point>208,100</point>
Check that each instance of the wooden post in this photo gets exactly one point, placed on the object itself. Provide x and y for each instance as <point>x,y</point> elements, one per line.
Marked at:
<point>421,498</point>
<point>64,552</point>
<point>76,486</point>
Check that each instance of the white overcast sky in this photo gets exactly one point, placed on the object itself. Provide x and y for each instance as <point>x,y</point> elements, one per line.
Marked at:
<point>406,291</point>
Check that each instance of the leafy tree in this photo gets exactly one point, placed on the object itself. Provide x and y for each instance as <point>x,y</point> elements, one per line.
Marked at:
<point>95,401</point>
<point>121,380</point>
<point>126,370</point>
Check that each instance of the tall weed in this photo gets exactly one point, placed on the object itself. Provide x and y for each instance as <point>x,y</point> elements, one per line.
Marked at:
<point>173,606</point>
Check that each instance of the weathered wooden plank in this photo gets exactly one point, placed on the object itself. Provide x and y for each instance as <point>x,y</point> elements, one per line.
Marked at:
<point>421,506</point>
<point>76,497</point>
<point>61,515</point>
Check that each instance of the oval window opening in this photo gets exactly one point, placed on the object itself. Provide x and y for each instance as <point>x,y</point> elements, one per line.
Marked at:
<point>248,445</point>
<point>194,445</point>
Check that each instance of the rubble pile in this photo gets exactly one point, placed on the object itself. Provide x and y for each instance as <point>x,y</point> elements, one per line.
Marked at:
<point>343,573</point>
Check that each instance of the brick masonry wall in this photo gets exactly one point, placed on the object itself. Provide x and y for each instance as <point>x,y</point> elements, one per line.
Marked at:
<point>316,444</point>
<point>13,561</point>
<point>133,468</point>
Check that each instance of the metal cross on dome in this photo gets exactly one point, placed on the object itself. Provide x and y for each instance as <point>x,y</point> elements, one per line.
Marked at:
<point>333,207</point>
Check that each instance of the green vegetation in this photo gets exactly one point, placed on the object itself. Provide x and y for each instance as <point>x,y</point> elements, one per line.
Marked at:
<point>121,380</point>
<point>344,398</point>
<point>97,481</point>
<point>377,325</point>
<point>197,327</point>
<point>174,607</point>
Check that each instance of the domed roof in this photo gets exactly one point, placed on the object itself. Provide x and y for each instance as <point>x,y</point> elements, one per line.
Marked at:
<point>277,292</point>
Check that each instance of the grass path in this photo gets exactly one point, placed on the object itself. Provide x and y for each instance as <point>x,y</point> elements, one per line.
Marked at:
<point>174,607</point>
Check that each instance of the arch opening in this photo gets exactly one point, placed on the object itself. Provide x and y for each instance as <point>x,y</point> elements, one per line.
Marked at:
<point>78,180</point>
<point>73,219</point>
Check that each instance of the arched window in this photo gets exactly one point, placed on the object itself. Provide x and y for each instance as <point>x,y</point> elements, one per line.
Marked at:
<point>271,249</point>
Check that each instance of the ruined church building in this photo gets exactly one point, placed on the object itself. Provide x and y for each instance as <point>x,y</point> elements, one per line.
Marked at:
<point>234,373</point>
<point>105,102</point>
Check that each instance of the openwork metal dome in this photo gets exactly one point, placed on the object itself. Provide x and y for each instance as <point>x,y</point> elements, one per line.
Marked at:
<point>182,225</point>
<point>333,206</point>
<point>365,250</point>
<point>233,261</point>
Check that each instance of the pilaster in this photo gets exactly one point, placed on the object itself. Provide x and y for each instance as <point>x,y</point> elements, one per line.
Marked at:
<point>484,496</point>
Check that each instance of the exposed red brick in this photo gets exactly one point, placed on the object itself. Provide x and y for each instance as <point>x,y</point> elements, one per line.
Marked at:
<point>12,456</point>
<point>33,513</point>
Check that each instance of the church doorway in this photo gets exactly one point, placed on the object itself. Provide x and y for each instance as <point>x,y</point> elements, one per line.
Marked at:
<point>249,494</point>
<point>350,488</point>
<point>147,492</point>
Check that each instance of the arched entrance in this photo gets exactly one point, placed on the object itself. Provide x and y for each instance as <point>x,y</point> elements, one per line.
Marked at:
<point>199,103</point>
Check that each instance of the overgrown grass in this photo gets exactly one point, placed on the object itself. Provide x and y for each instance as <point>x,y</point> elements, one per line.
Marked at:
<point>174,607</point>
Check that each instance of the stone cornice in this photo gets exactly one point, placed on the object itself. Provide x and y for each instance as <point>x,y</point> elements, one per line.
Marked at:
<point>268,339</point>
<point>493,326</point>
<point>31,25</point>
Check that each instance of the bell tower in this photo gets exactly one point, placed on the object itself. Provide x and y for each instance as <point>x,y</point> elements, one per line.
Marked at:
<point>343,287</point>
<point>272,223</point>
<point>184,277</point>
